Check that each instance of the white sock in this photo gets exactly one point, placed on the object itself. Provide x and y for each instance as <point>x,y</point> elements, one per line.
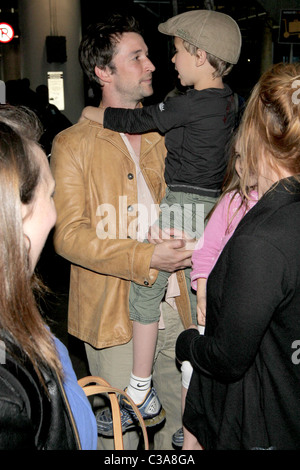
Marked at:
<point>138,388</point>
<point>186,371</point>
<point>201,329</point>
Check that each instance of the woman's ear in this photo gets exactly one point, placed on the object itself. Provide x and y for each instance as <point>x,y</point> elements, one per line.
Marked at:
<point>200,57</point>
<point>104,74</point>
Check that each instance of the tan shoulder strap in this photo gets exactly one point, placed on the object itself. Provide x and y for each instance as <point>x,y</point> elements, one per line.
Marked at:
<point>101,386</point>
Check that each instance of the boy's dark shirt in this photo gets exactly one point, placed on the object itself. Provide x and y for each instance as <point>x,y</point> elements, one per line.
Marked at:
<point>197,127</point>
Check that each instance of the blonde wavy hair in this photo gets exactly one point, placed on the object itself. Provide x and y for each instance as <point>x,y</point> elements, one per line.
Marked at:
<point>270,127</point>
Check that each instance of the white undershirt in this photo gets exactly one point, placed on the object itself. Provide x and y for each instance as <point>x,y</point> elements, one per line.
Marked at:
<point>146,217</point>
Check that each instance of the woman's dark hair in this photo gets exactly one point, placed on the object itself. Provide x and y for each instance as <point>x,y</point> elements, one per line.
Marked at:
<point>21,323</point>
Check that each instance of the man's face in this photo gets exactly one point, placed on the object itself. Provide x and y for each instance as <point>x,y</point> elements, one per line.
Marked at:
<point>132,78</point>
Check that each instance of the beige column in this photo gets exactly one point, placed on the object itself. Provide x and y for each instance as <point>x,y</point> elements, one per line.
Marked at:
<point>39,19</point>
<point>267,49</point>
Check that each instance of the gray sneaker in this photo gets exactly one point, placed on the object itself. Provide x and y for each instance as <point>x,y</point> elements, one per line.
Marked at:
<point>150,409</point>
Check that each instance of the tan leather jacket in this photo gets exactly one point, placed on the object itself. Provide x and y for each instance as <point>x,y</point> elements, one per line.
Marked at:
<point>92,168</point>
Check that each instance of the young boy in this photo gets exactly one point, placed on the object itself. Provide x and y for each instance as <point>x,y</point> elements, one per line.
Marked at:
<point>198,126</point>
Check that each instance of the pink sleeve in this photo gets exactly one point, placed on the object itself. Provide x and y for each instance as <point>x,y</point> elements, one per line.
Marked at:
<point>210,244</point>
<point>215,235</point>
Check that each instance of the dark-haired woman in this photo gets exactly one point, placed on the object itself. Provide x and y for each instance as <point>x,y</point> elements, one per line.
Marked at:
<point>41,404</point>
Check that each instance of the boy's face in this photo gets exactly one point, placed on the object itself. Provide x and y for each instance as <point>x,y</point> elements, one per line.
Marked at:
<point>184,63</point>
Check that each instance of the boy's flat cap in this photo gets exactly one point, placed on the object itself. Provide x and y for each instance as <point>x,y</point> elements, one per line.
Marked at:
<point>209,30</point>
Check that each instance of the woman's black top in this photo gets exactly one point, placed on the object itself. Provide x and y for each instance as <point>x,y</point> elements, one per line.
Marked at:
<point>245,389</point>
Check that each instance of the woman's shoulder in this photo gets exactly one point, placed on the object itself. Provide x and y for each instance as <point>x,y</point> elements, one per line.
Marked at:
<point>235,198</point>
<point>19,384</point>
<point>16,429</point>
<point>11,389</point>
<point>230,198</point>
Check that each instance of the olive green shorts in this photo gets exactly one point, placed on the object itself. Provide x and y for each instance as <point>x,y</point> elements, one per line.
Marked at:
<point>183,211</point>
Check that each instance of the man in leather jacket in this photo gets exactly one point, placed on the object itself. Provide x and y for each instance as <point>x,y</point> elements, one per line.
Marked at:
<point>101,176</point>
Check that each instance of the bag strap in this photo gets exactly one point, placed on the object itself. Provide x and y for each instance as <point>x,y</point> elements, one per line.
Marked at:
<point>101,386</point>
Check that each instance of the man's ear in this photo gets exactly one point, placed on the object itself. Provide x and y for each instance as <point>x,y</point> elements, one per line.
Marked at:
<point>200,57</point>
<point>104,75</point>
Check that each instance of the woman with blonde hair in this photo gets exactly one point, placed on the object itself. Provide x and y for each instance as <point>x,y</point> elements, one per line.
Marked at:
<point>244,392</point>
<point>41,404</point>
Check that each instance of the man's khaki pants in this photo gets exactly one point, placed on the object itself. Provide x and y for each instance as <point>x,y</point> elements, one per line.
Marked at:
<point>115,365</point>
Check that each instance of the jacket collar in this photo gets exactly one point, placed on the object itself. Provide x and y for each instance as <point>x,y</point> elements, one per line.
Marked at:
<point>284,191</point>
<point>149,140</point>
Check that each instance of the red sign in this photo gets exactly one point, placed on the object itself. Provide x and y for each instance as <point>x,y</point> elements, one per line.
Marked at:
<point>6,32</point>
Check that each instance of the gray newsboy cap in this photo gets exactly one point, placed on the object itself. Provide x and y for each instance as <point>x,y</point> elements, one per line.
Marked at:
<point>209,30</point>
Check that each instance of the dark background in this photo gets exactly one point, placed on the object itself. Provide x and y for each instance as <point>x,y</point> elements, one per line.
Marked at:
<point>252,16</point>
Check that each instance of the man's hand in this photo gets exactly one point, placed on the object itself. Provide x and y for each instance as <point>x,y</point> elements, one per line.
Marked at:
<point>171,255</point>
<point>157,235</point>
